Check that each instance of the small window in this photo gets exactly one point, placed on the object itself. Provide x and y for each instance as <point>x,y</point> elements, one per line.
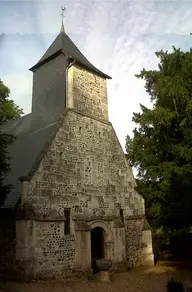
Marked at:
<point>121,215</point>
<point>67,221</point>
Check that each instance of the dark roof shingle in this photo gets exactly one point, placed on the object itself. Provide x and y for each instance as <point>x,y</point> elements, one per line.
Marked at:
<point>24,152</point>
<point>64,44</point>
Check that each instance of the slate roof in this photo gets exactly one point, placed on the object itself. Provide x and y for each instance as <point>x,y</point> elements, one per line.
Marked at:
<point>64,44</point>
<point>24,152</point>
<point>20,126</point>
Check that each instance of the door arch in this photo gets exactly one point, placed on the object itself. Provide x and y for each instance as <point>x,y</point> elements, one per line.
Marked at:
<point>97,246</point>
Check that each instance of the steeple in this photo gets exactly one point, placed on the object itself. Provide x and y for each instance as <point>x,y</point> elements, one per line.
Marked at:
<point>64,45</point>
<point>52,81</point>
<point>62,16</point>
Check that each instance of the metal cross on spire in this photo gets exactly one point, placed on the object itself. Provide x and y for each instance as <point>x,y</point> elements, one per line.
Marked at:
<point>63,9</point>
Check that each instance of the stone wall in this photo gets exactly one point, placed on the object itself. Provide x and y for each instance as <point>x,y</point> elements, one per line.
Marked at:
<point>87,92</point>
<point>133,242</point>
<point>139,251</point>
<point>54,252</point>
<point>85,170</point>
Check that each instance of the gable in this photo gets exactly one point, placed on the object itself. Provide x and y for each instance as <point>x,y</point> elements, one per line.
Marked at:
<point>83,166</point>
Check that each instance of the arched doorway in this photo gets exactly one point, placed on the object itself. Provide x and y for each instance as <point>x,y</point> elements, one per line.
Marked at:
<point>97,247</point>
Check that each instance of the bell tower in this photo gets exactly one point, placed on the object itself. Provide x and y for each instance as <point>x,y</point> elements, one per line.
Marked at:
<point>63,77</point>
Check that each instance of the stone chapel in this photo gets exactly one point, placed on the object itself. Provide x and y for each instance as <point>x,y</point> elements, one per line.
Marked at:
<point>73,195</point>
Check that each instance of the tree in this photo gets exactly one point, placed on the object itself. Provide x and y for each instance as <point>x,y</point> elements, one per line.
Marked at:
<point>161,147</point>
<point>8,111</point>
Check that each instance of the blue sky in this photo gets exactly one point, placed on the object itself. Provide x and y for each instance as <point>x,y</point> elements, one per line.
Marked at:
<point>118,37</point>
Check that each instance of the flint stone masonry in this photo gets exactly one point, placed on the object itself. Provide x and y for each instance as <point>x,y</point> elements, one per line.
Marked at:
<point>87,93</point>
<point>61,181</point>
<point>54,251</point>
<point>69,173</point>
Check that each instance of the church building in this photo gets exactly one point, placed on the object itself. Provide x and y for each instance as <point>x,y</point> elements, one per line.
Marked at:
<point>73,191</point>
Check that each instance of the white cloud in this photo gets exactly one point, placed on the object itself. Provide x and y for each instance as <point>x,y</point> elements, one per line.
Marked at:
<point>118,37</point>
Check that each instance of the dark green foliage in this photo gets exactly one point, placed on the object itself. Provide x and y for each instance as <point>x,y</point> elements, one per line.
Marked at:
<point>161,147</point>
<point>161,243</point>
<point>174,286</point>
<point>8,112</point>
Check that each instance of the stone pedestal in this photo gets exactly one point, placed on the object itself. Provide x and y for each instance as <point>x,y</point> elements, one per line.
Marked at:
<point>104,266</point>
<point>104,276</point>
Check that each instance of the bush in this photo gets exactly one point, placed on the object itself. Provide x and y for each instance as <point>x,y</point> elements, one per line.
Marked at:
<point>174,286</point>
<point>161,247</point>
<point>165,255</point>
<point>160,243</point>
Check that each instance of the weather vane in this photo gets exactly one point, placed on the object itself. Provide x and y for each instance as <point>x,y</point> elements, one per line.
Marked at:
<point>62,16</point>
<point>63,9</point>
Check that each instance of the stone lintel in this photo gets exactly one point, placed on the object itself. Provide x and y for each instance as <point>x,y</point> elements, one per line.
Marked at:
<point>90,116</point>
<point>139,217</point>
<point>82,226</point>
<point>40,219</point>
<point>93,218</point>
<point>26,212</point>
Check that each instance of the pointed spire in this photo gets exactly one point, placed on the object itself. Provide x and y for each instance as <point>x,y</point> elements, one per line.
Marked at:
<point>64,45</point>
<point>62,28</point>
<point>62,16</point>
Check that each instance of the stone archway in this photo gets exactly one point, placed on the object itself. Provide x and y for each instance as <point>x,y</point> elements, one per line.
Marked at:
<point>101,243</point>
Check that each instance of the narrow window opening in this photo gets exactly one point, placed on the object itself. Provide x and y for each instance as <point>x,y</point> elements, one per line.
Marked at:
<point>99,134</point>
<point>67,221</point>
<point>80,130</point>
<point>121,215</point>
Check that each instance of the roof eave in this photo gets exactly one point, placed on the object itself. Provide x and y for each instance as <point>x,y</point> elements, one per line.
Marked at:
<point>97,71</point>
<point>40,63</point>
<point>105,75</point>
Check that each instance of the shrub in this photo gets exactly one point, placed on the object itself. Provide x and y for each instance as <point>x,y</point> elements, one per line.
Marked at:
<point>174,286</point>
